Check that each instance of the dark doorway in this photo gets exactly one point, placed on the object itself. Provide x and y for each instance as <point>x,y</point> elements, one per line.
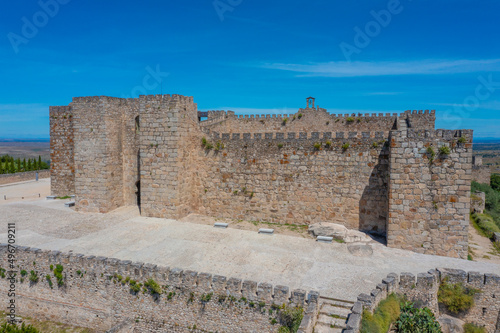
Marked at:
<point>138,194</point>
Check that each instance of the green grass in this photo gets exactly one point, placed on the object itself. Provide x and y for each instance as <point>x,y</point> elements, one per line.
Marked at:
<point>384,315</point>
<point>456,297</point>
<point>473,328</point>
<point>485,224</point>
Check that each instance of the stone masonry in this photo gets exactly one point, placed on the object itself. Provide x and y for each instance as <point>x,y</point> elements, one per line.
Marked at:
<point>96,293</point>
<point>423,290</point>
<point>367,171</point>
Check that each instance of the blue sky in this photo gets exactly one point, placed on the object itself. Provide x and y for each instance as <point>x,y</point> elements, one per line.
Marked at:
<point>254,56</point>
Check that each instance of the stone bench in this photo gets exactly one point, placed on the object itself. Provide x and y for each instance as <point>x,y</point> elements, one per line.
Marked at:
<point>69,204</point>
<point>266,231</point>
<point>324,239</point>
<point>221,225</point>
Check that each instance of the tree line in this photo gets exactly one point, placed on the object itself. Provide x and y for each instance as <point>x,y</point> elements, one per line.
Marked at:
<point>9,164</point>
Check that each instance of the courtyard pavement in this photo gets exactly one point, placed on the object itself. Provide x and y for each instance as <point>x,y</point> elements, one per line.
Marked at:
<point>296,262</point>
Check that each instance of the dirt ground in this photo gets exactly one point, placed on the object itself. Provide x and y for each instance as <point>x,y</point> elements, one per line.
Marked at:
<point>282,229</point>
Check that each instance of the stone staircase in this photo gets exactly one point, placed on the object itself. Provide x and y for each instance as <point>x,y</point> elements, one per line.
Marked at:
<point>332,316</point>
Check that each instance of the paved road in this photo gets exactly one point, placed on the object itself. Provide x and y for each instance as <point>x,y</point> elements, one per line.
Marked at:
<point>277,259</point>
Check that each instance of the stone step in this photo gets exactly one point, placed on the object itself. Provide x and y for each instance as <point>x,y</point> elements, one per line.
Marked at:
<point>331,321</point>
<point>323,328</point>
<point>334,310</point>
<point>337,302</point>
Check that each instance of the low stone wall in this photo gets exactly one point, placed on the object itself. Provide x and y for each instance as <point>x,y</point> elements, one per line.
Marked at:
<point>96,293</point>
<point>23,176</point>
<point>424,289</point>
<point>478,202</point>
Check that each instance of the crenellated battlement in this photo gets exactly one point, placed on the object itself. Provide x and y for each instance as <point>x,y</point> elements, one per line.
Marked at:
<point>297,135</point>
<point>231,114</point>
<point>423,289</point>
<point>232,302</point>
<point>146,98</point>
<point>447,135</point>
<point>60,109</point>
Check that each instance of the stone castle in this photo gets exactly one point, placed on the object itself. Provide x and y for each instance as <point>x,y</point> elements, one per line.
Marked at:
<point>392,174</point>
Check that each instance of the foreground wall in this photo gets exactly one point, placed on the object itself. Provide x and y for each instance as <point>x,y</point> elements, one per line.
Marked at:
<point>96,294</point>
<point>23,176</point>
<point>423,291</point>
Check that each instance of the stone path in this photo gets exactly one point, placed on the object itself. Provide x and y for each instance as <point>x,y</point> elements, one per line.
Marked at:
<point>297,262</point>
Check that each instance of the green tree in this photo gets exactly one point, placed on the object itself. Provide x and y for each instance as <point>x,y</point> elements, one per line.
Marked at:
<point>1,168</point>
<point>24,164</point>
<point>18,162</point>
<point>12,167</point>
<point>495,181</point>
<point>39,162</point>
<point>35,164</point>
<point>30,167</point>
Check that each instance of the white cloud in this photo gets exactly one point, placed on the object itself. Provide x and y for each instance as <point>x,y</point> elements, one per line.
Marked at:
<point>383,68</point>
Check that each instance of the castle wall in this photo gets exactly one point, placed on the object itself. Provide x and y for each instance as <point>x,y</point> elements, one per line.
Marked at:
<point>314,120</point>
<point>252,178</point>
<point>96,293</point>
<point>23,176</point>
<point>429,202</point>
<point>480,172</point>
<point>62,164</point>
<point>98,134</point>
<point>167,162</point>
<point>423,291</point>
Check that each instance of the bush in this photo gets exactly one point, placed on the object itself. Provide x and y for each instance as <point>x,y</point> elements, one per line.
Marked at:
<point>280,145</point>
<point>384,315</point>
<point>495,181</point>
<point>205,298</point>
<point>328,144</point>
<point>204,142</point>
<point>462,140</point>
<point>444,150</point>
<point>300,115</point>
<point>153,287</point>
<point>58,274</point>
<point>473,328</point>
<point>431,153</point>
<point>492,202</point>
<point>345,146</point>
<point>290,318</point>
<point>10,328</point>
<point>416,320</point>
<point>317,146</point>
<point>455,297</point>
<point>350,119</point>
<point>33,277</point>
